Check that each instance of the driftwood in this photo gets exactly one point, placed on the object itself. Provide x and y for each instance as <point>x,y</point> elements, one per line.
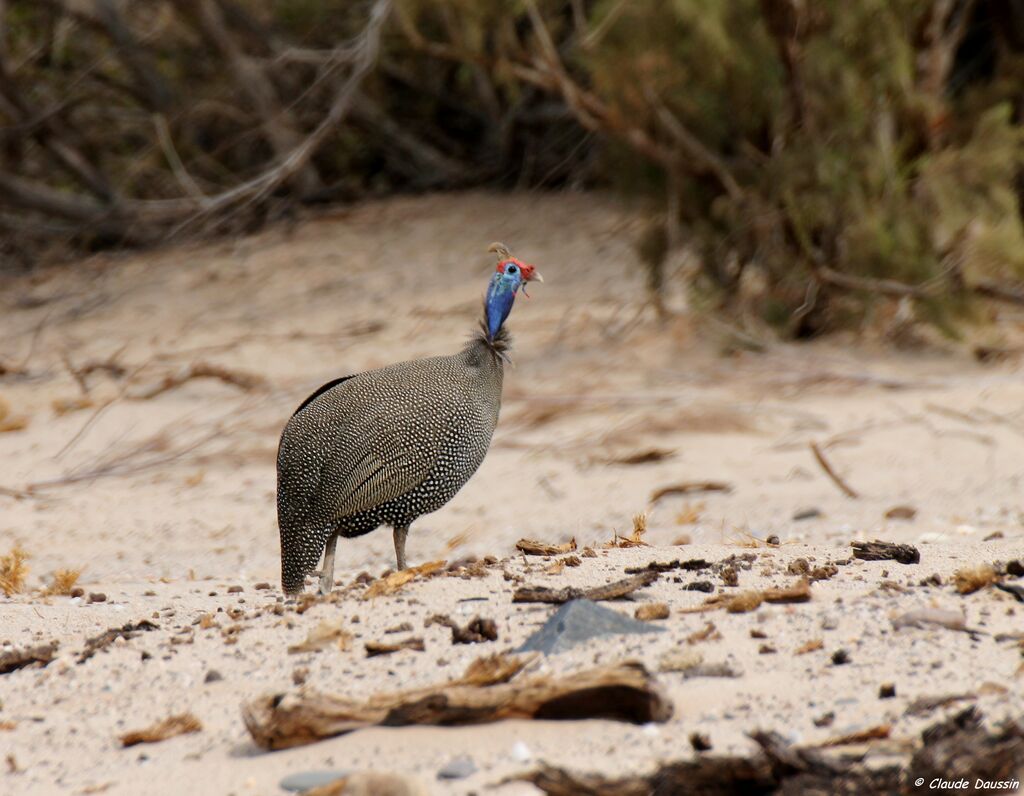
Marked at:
<point>170,727</point>
<point>624,692</point>
<point>531,547</point>
<point>610,591</point>
<point>744,601</point>
<point>20,658</point>
<point>374,648</point>
<point>958,748</point>
<point>886,551</point>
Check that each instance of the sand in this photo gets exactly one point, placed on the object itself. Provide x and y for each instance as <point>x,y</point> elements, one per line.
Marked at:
<point>165,502</point>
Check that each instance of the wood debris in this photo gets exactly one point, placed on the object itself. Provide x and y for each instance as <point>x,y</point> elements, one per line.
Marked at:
<point>960,744</point>
<point>971,579</point>
<point>109,636</point>
<point>202,370</point>
<point>1016,591</point>
<point>813,645</point>
<point>181,724</point>
<point>326,634</point>
<point>876,733</point>
<point>12,660</point>
<point>901,513</point>
<point>844,487</point>
<point>708,633</point>
<point>690,488</point>
<point>394,581</point>
<point>476,631</point>
<point>886,551</point>
<point>646,456</point>
<point>633,540</point>
<point>651,611</point>
<point>531,547</point>
<point>799,592</point>
<point>610,591</point>
<point>921,617</point>
<point>375,648</point>
<point>922,706</point>
<point>691,565</point>
<point>623,692</point>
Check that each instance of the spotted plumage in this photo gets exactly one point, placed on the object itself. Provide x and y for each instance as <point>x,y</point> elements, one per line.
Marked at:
<point>386,446</point>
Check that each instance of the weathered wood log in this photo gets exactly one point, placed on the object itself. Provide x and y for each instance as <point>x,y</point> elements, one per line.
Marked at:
<point>623,692</point>
<point>610,591</point>
<point>958,748</point>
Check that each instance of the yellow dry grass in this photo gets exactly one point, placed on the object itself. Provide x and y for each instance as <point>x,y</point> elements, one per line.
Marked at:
<point>13,571</point>
<point>390,584</point>
<point>63,581</point>
<point>635,539</point>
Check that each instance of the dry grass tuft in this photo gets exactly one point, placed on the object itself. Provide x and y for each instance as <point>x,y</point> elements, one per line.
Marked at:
<point>13,571</point>
<point>637,537</point>
<point>63,581</point>
<point>971,579</point>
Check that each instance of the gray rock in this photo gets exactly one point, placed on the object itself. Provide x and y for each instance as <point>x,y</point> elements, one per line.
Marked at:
<point>304,780</point>
<point>579,621</point>
<point>459,768</point>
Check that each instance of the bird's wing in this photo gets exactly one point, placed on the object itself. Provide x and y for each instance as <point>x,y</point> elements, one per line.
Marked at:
<point>380,477</point>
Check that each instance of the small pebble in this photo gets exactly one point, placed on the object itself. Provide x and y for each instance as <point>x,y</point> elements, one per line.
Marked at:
<point>521,752</point>
<point>840,657</point>
<point>825,720</point>
<point>886,691</point>
<point>97,597</point>
<point>700,742</point>
<point>730,577</point>
<point>458,768</point>
<point>234,589</point>
<point>262,586</point>
<point>773,540</point>
<point>77,591</point>
<point>806,514</point>
<point>213,676</point>
<point>307,780</point>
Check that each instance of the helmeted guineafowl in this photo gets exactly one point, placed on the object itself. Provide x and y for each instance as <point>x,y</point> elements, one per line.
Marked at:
<point>386,446</point>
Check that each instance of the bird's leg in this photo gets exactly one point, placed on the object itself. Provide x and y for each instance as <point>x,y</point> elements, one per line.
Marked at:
<point>400,535</point>
<point>327,571</point>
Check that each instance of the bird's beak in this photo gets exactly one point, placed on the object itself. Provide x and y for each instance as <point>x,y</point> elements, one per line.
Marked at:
<point>535,276</point>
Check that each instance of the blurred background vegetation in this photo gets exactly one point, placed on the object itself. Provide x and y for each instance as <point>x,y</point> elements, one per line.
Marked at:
<point>807,165</point>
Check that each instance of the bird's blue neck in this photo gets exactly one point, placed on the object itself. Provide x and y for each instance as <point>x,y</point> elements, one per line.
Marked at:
<point>501,293</point>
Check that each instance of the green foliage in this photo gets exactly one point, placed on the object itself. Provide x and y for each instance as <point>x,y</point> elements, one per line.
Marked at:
<point>804,151</point>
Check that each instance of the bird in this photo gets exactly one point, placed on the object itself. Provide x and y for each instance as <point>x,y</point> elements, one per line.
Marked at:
<point>386,446</point>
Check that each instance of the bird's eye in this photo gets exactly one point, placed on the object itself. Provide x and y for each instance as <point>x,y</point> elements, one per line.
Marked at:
<point>510,270</point>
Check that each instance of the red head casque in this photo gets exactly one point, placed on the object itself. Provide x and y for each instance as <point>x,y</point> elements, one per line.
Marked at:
<point>527,270</point>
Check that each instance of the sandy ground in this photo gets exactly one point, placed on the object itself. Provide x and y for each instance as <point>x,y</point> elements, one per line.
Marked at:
<point>166,501</point>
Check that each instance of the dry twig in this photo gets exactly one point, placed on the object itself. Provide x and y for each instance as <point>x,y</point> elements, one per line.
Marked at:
<point>832,474</point>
